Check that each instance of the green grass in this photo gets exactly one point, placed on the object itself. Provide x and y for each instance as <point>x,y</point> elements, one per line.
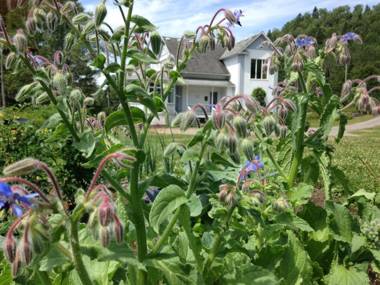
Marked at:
<point>314,122</point>
<point>36,114</point>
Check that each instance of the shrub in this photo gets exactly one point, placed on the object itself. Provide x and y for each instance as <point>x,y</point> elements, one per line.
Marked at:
<point>259,94</point>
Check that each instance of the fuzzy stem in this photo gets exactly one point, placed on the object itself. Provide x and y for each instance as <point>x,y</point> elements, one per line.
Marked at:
<point>299,139</point>
<point>75,248</point>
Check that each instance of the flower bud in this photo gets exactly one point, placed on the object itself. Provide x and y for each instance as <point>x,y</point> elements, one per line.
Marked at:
<point>218,117</point>
<point>80,19</point>
<point>25,249</point>
<point>88,28</point>
<point>223,191</point>
<point>232,142</point>
<point>229,15</point>
<point>21,167</point>
<point>230,199</point>
<point>9,247</point>
<point>258,197</point>
<point>188,120</point>
<point>42,99</point>
<point>269,124</point>
<point>104,236</point>
<point>344,56</point>
<point>106,213</point>
<point>170,149</point>
<point>100,14</point>
<point>10,60</point>
<point>248,148</point>
<point>30,25</point>
<point>68,8</point>
<point>51,21</point>
<point>221,140</point>
<point>281,131</point>
<point>88,101</point>
<point>281,204</point>
<point>69,41</point>
<point>240,125</point>
<point>59,82</point>
<point>16,265</point>
<point>20,41</point>
<point>204,42</point>
<point>118,230</point>
<point>297,64</point>
<point>155,42</point>
<point>58,57</point>
<point>251,104</point>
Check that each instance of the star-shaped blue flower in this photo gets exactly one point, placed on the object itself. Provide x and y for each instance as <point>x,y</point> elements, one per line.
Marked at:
<point>304,42</point>
<point>150,195</point>
<point>350,36</point>
<point>13,200</point>
<point>251,166</point>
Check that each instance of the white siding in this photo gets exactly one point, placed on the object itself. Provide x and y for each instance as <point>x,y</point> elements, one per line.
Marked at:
<point>233,66</point>
<point>244,84</point>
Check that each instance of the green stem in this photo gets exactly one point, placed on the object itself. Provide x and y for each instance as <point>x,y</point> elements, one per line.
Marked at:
<point>44,277</point>
<point>75,248</point>
<point>300,134</point>
<point>218,240</point>
<point>189,191</point>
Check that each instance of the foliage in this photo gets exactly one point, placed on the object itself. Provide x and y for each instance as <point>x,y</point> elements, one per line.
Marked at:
<point>207,217</point>
<point>259,95</point>
<point>323,23</point>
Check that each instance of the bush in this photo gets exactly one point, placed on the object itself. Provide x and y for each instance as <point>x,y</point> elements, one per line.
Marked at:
<point>259,94</point>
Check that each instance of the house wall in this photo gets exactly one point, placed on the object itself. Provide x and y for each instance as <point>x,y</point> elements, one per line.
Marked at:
<point>240,68</point>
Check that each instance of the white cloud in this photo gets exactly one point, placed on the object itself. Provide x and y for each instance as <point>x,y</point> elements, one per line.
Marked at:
<point>173,17</point>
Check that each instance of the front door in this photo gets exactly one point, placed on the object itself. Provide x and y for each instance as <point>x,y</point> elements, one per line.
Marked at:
<point>213,99</point>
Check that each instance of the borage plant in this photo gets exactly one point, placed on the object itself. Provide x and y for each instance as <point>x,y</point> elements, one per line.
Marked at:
<point>220,222</point>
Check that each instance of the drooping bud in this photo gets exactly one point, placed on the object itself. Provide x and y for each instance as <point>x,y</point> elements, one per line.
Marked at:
<point>240,125</point>
<point>344,56</point>
<point>20,41</point>
<point>16,265</point>
<point>227,194</point>
<point>230,199</point>
<point>156,42</point>
<point>68,8</point>
<point>251,104</point>
<point>311,52</point>
<point>297,64</point>
<point>88,101</point>
<point>232,142</point>
<point>218,117</point>
<point>59,82</point>
<point>25,248</point>
<point>30,25</point>
<point>104,236</point>
<point>21,167</point>
<point>69,41</point>
<point>221,140</point>
<point>9,247</point>
<point>281,204</point>
<point>281,131</point>
<point>100,14</point>
<point>106,213</point>
<point>88,28</point>
<point>188,120</point>
<point>43,98</point>
<point>170,149</point>
<point>80,19</point>
<point>257,197</point>
<point>204,42</point>
<point>51,21</point>
<point>10,60</point>
<point>118,230</point>
<point>269,124</point>
<point>346,89</point>
<point>229,15</point>
<point>248,148</point>
<point>58,57</point>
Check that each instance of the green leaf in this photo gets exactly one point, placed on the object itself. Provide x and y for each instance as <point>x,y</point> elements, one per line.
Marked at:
<point>167,201</point>
<point>195,206</point>
<point>53,259</point>
<point>340,221</point>
<point>118,118</point>
<point>363,193</point>
<point>339,275</point>
<point>294,222</point>
<point>112,68</point>
<point>140,57</point>
<point>143,23</point>
<point>296,266</point>
<point>86,144</point>
<point>301,194</point>
<point>5,273</point>
<point>99,61</point>
<point>250,274</point>
<point>358,241</point>
<point>171,269</point>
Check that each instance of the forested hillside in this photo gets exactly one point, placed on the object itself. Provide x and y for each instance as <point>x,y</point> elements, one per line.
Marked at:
<point>321,23</point>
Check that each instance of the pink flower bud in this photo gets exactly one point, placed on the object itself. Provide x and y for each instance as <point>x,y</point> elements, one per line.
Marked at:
<point>118,230</point>
<point>9,247</point>
<point>104,236</point>
<point>240,125</point>
<point>106,213</point>
<point>218,117</point>
<point>58,57</point>
<point>16,264</point>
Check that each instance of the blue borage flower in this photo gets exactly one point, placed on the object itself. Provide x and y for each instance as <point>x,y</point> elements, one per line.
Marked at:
<point>15,201</point>
<point>238,14</point>
<point>251,166</point>
<point>350,36</point>
<point>306,41</point>
<point>151,194</point>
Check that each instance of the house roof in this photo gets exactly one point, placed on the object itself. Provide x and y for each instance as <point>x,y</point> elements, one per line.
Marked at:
<point>209,65</point>
<point>202,65</point>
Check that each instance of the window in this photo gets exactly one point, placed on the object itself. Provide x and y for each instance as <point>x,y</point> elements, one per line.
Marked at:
<point>258,69</point>
<point>151,88</point>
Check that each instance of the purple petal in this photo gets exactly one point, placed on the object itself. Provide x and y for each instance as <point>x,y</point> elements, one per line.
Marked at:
<point>2,204</point>
<point>17,210</point>
<point>5,190</point>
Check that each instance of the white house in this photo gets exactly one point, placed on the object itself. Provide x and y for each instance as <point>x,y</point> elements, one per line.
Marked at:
<point>216,73</point>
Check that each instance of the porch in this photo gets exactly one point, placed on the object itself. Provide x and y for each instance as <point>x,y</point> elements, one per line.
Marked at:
<point>205,92</point>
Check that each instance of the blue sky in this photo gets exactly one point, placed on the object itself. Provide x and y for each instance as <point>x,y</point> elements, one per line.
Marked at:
<point>173,17</point>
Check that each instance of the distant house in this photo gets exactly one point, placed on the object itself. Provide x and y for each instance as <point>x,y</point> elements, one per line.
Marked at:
<point>217,73</point>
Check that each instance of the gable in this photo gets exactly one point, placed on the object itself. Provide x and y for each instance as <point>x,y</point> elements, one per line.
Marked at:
<point>259,44</point>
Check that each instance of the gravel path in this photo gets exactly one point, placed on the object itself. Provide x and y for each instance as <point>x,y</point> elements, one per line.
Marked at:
<point>350,129</point>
